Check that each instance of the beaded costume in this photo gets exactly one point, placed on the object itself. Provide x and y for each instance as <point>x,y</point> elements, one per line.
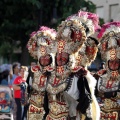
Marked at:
<point>82,83</point>
<point>109,78</point>
<point>59,62</point>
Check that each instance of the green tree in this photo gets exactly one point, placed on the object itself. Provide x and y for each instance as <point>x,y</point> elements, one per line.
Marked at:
<point>18,18</point>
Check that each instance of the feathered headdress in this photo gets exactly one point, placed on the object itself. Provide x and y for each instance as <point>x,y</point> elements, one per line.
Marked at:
<point>44,36</point>
<point>108,27</point>
<point>89,20</point>
<point>109,36</point>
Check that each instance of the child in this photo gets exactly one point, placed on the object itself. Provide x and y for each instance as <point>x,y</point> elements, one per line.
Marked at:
<point>4,102</point>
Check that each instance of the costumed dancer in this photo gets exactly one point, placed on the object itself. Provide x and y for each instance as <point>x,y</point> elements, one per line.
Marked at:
<point>109,78</point>
<point>81,84</point>
<point>39,46</point>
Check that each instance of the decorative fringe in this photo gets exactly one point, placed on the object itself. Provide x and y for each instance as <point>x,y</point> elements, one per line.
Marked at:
<point>95,106</point>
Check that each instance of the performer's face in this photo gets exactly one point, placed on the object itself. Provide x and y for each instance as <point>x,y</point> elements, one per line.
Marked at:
<point>62,58</point>
<point>45,60</point>
<point>114,64</point>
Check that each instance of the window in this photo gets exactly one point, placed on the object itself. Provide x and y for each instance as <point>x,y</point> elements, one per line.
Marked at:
<point>100,11</point>
<point>113,10</point>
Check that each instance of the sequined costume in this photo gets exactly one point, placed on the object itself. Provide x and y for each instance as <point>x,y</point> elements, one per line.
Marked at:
<point>109,78</point>
<point>81,84</point>
<point>39,46</point>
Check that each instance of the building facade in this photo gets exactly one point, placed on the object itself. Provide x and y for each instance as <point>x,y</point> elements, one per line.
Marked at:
<point>109,10</point>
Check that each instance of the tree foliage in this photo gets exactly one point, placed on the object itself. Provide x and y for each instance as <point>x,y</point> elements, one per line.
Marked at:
<point>18,18</point>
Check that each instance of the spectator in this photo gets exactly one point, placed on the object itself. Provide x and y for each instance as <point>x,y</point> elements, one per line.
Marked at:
<point>14,72</point>
<point>17,92</point>
<point>4,73</point>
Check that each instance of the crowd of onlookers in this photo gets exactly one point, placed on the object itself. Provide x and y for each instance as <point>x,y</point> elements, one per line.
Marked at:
<point>17,78</point>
